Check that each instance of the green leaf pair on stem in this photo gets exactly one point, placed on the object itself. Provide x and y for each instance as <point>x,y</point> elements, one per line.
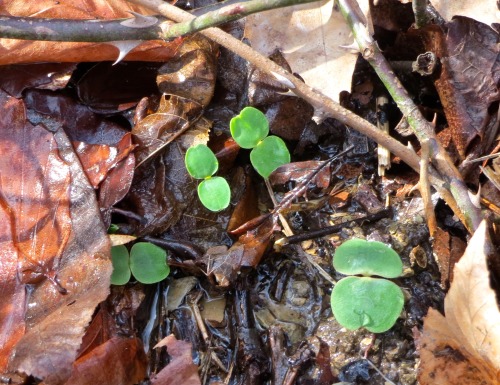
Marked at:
<point>250,130</point>
<point>147,262</point>
<point>372,303</point>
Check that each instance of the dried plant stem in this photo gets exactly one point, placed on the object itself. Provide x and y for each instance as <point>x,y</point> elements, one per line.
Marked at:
<point>322,104</point>
<point>422,18</point>
<point>421,127</point>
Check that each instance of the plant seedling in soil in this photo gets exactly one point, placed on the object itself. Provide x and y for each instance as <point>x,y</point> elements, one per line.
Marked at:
<point>372,303</point>
<point>147,262</point>
<point>250,130</point>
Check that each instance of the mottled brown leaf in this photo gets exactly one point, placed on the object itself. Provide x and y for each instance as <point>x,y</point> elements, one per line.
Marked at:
<point>117,361</point>
<point>61,244</point>
<point>468,82</point>
<point>181,369</point>
<point>463,347</point>
<point>299,171</point>
<point>247,251</point>
<point>23,51</point>
<point>191,72</point>
<point>14,79</point>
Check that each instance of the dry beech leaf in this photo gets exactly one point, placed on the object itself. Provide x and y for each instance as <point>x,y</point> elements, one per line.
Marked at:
<point>119,360</point>
<point>24,51</point>
<point>310,37</point>
<point>181,369</point>
<point>60,243</point>
<point>463,347</point>
<point>485,11</point>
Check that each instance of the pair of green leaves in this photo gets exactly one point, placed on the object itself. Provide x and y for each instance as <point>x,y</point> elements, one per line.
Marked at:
<point>250,129</point>
<point>372,303</point>
<point>147,262</point>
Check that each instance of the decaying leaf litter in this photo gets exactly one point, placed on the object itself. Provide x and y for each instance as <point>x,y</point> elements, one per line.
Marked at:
<point>81,156</point>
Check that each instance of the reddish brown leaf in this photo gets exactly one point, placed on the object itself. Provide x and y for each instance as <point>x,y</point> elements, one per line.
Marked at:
<point>99,159</point>
<point>23,51</point>
<point>299,171</point>
<point>181,369</point>
<point>225,265</point>
<point>117,361</point>
<point>61,245</point>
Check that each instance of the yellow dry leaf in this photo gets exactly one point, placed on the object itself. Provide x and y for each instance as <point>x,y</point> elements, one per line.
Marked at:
<point>463,347</point>
<point>311,38</point>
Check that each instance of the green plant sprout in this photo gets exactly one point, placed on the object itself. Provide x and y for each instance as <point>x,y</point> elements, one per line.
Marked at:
<point>372,303</point>
<point>213,191</point>
<point>250,130</point>
<point>147,262</point>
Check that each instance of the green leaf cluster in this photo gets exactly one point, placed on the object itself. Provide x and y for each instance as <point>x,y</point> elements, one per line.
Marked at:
<point>147,262</point>
<point>250,130</point>
<point>372,303</point>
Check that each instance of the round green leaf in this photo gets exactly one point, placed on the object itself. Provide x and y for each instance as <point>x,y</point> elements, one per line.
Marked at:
<point>214,193</point>
<point>249,127</point>
<point>372,303</point>
<point>121,269</point>
<point>148,263</point>
<point>268,155</point>
<point>201,162</point>
<point>358,256</point>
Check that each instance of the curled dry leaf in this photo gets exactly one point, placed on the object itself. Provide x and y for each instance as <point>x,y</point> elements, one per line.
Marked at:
<point>463,347</point>
<point>54,232</point>
<point>23,51</point>
<point>246,252</point>
<point>467,100</point>
<point>181,369</point>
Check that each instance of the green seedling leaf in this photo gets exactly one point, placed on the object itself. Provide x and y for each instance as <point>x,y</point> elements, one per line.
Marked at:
<point>201,162</point>
<point>372,303</point>
<point>249,127</point>
<point>121,269</point>
<point>358,256</point>
<point>268,155</point>
<point>148,263</point>
<point>214,193</point>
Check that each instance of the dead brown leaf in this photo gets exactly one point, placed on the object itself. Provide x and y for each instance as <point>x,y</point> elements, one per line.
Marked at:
<point>117,361</point>
<point>60,245</point>
<point>181,369</point>
<point>463,347</point>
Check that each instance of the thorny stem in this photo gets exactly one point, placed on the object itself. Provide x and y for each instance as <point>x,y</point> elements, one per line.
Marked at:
<point>324,106</point>
<point>422,18</point>
<point>147,27</point>
<point>420,126</point>
<point>137,28</point>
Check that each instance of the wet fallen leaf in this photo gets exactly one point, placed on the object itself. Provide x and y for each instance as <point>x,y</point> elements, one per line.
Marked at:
<point>299,171</point>
<point>463,347</point>
<point>181,369</point>
<point>60,243</point>
<point>117,361</point>
<point>24,51</point>
<point>225,264</point>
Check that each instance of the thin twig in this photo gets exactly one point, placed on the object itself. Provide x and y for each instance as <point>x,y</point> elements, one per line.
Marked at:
<point>425,189</point>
